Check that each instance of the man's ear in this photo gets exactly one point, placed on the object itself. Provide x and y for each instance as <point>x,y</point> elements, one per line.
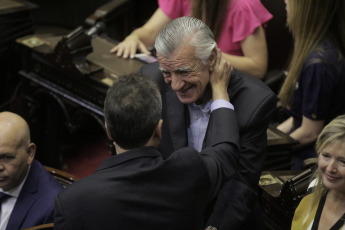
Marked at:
<point>31,152</point>
<point>107,131</point>
<point>158,130</point>
<point>212,60</point>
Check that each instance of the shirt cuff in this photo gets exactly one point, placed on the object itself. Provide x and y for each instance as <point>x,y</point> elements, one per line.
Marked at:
<point>220,103</point>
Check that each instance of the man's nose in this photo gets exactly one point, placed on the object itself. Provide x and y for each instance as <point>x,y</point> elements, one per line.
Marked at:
<point>176,82</point>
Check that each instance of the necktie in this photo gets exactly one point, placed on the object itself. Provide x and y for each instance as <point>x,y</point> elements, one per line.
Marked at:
<point>3,196</point>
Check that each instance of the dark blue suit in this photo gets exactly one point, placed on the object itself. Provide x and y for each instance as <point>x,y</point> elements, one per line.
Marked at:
<point>35,204</point>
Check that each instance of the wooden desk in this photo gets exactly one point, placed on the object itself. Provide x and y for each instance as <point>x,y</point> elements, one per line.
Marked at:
<point>88,92</point>
<point>59,104</point>
<point>278,154</point>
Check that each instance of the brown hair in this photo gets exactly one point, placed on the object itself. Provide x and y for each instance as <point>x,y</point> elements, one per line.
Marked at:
<point>211,13</point>
<point>311,21</point>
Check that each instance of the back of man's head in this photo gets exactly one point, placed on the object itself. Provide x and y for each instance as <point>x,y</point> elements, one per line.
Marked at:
<point>186,29</point>
<point>132,110</point>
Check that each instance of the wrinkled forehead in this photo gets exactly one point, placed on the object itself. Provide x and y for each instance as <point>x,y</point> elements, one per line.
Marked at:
<point>182,59</point>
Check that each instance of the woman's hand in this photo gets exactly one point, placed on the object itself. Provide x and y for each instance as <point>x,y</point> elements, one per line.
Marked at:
<point>129,46</point>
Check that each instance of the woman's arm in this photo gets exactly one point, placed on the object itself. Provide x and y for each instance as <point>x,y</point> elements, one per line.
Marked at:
<point>308,132</point>
<point>255,59</point>
<point>286,125</point>
<point>142,37</point>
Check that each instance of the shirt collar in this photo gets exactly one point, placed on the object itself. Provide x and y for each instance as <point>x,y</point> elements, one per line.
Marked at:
<point>205,108</point>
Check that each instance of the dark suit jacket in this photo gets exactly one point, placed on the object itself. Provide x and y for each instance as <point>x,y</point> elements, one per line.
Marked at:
<point>35,204</point>
<point>139,189</point>
<point>254,103</point>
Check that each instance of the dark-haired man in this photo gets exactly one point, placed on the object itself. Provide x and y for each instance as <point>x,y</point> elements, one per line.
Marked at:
<point>138,188</point>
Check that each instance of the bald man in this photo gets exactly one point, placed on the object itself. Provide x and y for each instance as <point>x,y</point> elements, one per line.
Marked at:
<point>30,188</point>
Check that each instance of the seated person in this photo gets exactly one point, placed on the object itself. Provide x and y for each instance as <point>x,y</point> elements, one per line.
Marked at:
<point>186,52</point>
<point>313,92</point>
<point>138,188</point>
<point>238,26</point>
<point>324,208</point>
<point>30,189</point>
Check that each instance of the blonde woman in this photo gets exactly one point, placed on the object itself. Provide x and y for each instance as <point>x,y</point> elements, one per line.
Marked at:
<point>314,90</point>
<point>238,26</point>
<point>324,208</point>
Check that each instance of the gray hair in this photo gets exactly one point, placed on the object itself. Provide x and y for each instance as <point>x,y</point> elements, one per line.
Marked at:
<point>177,32</point>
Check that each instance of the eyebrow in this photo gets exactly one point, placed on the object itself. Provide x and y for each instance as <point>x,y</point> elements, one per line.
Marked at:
<point>341,158</point>
<point>180,69</point>
<point>5,154</point>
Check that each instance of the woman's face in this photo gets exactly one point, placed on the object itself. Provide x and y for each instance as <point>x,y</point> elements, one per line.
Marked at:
<point>332,166</point>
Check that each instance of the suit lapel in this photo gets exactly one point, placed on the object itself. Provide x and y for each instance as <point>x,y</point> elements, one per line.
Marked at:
<point>26,199</point>
<point>176,113</point>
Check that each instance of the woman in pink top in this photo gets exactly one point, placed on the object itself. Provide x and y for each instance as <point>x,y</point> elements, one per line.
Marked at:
<point>237,25</point>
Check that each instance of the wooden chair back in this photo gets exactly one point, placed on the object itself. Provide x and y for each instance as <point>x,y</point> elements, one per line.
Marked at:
<point>64,178</point>
<point>49,226</point>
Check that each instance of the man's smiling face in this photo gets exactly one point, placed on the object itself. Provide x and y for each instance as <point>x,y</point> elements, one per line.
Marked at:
<point>185,73</point>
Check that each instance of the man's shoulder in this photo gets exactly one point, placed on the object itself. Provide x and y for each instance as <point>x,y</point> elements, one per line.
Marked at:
<point>152,70</point>
<point>187,155</point>
<point>245,90</point>
<point>40,176</point>
<point>253,100</point>
<point>253,86</point>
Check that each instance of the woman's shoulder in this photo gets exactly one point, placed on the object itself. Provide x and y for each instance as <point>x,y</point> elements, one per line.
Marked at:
<point>251,13</point>
<point>301,213</point>
<point>326,52</point>
<point>307,199</point>
<point>255,5</point>
<point>175,8</point>
<point>305,203</point>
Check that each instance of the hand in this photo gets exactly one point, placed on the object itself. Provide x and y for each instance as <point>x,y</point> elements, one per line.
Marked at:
<point>211,228</point>
<point>220,77</point>
<point>129,46</point>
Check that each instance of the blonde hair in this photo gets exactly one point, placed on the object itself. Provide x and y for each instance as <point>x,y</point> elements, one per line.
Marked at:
<point>333,133</point>
<point>310,22</point>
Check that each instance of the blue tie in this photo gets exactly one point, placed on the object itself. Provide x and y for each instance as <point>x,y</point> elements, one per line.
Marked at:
<point>3,197</point>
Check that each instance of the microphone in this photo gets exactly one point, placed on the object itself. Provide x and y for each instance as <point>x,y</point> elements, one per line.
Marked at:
<point>98,28</point>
